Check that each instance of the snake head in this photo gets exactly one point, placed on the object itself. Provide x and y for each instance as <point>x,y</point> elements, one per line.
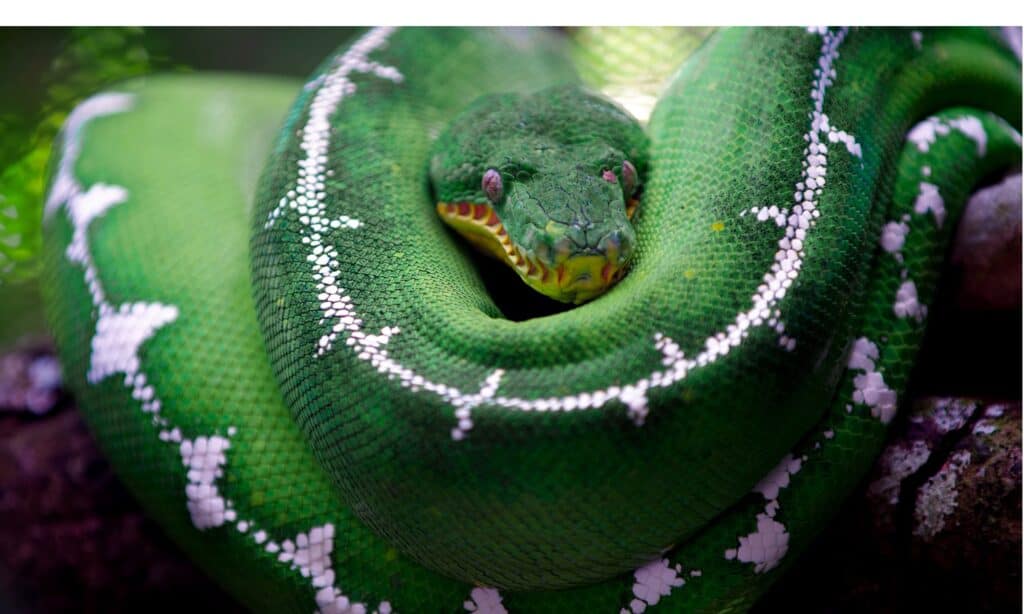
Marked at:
<point>547,183</point>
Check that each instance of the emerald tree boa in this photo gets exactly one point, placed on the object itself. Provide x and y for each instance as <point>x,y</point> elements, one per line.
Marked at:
<point>297,368</point>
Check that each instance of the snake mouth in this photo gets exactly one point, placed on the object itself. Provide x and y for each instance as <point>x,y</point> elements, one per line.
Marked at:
<point>582,278</point>
<point>576,279</point>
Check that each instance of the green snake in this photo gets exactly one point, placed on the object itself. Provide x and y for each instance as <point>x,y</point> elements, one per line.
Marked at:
<point>300,371</point>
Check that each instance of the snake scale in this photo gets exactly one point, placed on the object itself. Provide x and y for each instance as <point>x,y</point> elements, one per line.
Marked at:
<point>298,369</point>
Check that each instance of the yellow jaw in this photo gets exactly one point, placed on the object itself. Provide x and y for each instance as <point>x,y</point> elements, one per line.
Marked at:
<point>575,279</point>
<point>479,225</point>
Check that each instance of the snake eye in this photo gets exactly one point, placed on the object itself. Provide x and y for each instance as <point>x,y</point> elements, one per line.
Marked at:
<point>608,176</point>
<point>629,178</point>
<point>491,185</point>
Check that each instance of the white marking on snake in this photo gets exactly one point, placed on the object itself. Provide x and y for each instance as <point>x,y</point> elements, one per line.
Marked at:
<point>204,459</point>
<point>654,581</point>
<point>869,387</point>
<point>907,305</point>
<point>780,216</point>
<point>972,128</point>
<point>120,333</point>
<point>313,83</point>
<point>310,555</point>
<point>464,404</point>
<point>484,601</point>
<point>894,234</point>
<point>838,136</point>
<point>925,133</point>
<point>929,200</point>
<point>308,201</point>
<point>766,546</point>
<point>64,183</point>
<point>83,209</point>
<point>774,213</point>
<point>778,478</point>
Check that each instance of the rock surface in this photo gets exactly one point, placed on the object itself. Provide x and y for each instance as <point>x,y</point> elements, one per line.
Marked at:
<point>937,526</point>
<point>988,247</point>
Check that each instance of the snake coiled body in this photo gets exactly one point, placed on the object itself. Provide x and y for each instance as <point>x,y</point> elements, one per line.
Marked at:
<point>299,371</point>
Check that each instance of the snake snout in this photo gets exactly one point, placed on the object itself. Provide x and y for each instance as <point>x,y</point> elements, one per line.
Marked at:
<point>592,270</point>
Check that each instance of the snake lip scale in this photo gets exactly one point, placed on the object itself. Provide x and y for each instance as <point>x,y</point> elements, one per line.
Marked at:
<point>480,225</point>
<point>317,398</point>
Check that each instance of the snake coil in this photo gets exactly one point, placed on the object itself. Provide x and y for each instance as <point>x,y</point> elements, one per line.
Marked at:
<point>318,399</point>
